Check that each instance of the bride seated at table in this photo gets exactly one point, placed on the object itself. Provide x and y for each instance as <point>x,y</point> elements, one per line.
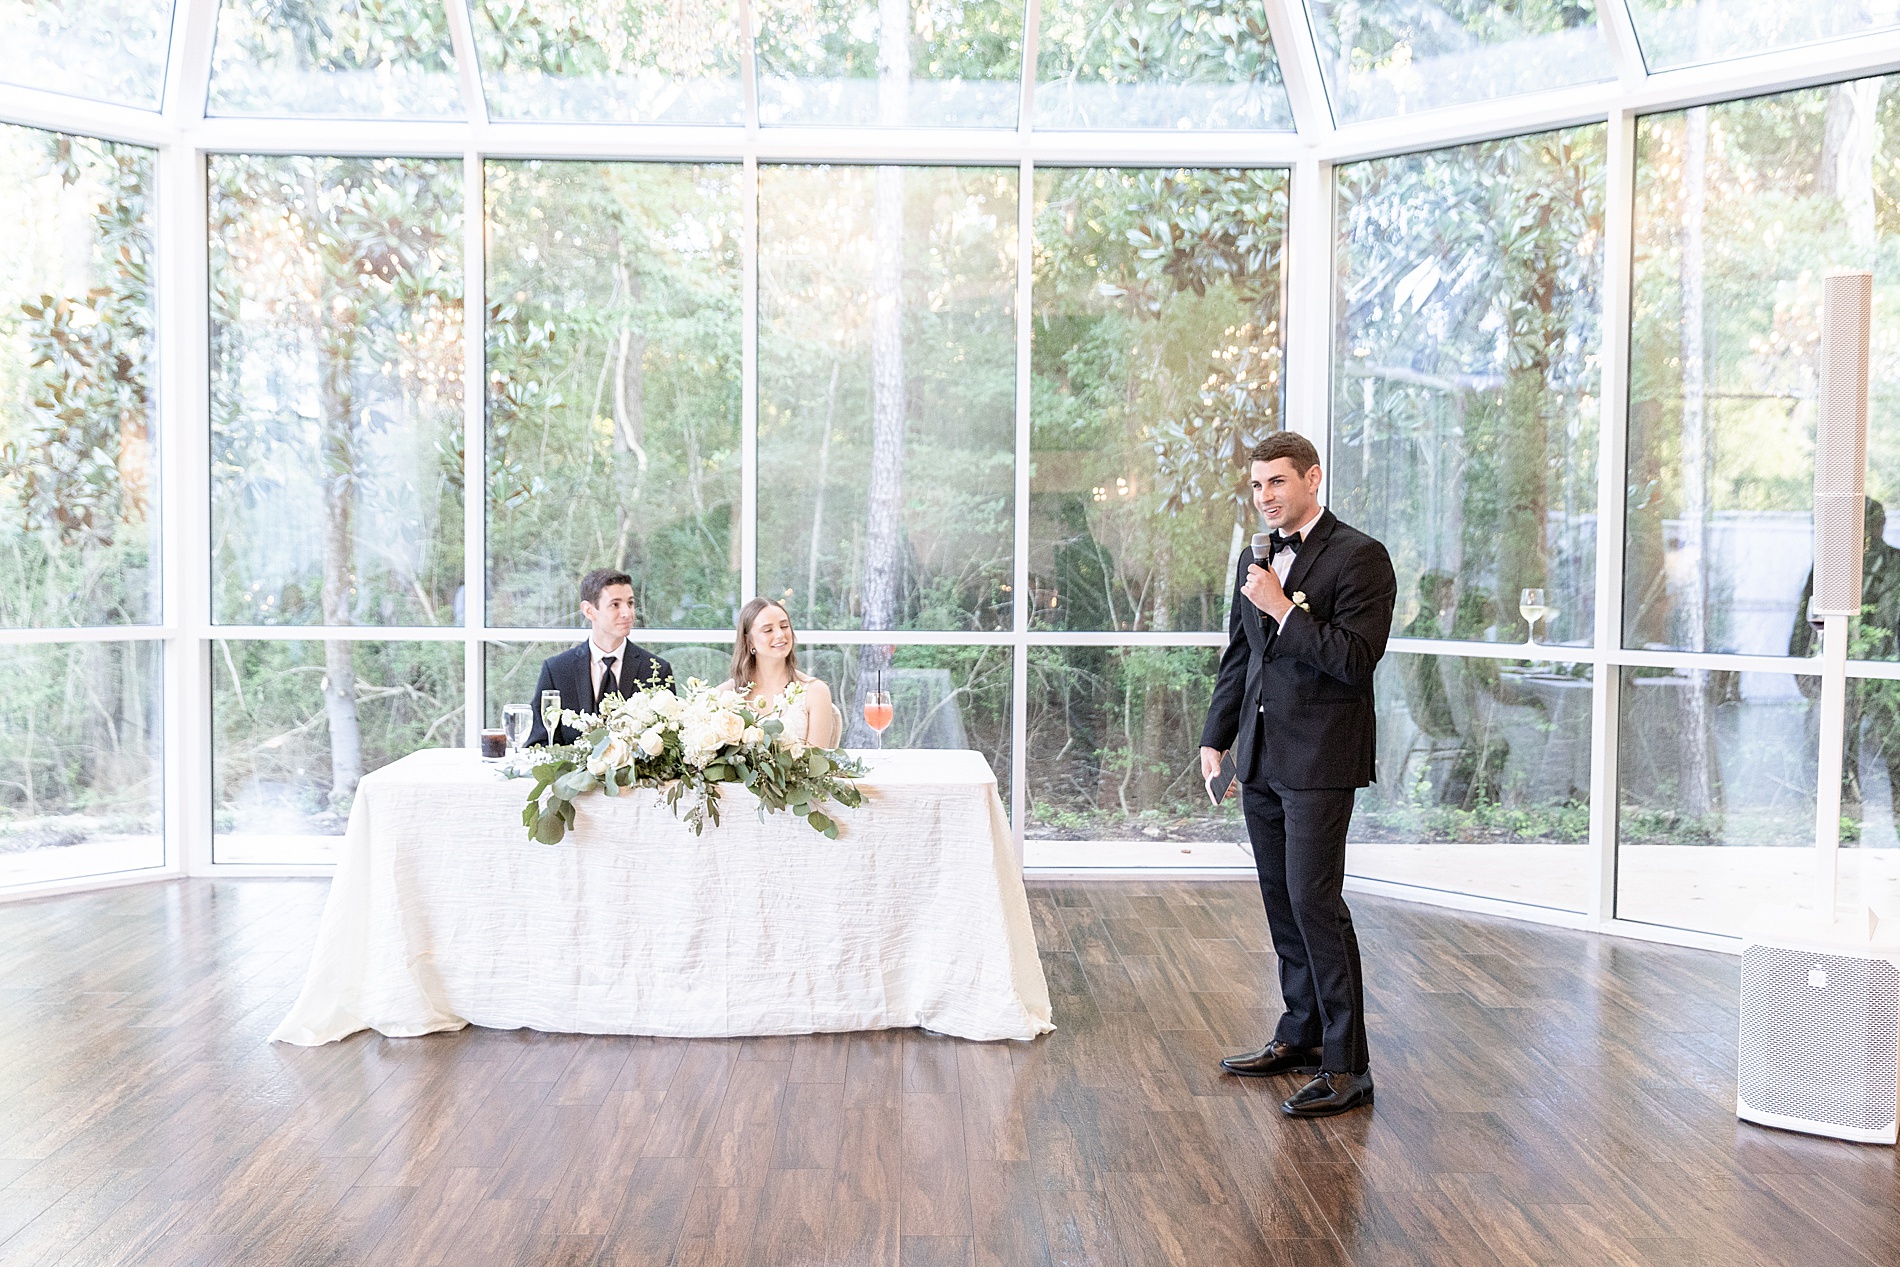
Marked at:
<point>764,666</point>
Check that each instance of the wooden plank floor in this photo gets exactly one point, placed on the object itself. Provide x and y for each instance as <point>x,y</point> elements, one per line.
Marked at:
<point>1545,1097</point>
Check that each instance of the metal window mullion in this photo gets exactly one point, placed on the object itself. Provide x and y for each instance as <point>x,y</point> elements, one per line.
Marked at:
<point>474,444</point>
<point>468,66</point>
<point>1019,572</point>
<point>749,383</point>
<point>1612,462</point>
<point>1297,51</point>
<point>1306,321</point>
<point>1626,51</point>
<point>188,62</point>
<point>181,278</point>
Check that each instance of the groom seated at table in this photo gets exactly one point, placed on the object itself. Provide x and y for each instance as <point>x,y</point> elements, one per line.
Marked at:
<point>606,664</point>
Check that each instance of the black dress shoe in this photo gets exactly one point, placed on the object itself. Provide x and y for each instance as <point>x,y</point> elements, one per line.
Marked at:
<point>1329,1093</point>
<point>1275,1057</point>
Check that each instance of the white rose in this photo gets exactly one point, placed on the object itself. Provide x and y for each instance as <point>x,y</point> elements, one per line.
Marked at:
<point>617,753</point>
<point>667,704</point>
<point>652,742</point>
<point>753,736</point>
<point>728,727</point>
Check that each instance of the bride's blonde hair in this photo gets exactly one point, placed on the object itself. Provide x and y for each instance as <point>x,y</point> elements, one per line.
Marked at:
<point>745,664</point>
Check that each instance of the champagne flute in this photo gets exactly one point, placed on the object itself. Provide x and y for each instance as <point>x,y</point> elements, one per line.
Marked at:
<point>515,719</point>
<point>877,711</point>
<point>551,713</point>
<point>1530,605</point>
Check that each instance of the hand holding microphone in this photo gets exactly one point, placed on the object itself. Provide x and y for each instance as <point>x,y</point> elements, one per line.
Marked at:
<point>1263,588</point>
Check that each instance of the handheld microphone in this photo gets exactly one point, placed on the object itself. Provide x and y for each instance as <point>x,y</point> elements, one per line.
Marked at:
<point>1262,546</point>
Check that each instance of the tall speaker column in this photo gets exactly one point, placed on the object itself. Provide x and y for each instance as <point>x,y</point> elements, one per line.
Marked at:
<point>1840,488</point>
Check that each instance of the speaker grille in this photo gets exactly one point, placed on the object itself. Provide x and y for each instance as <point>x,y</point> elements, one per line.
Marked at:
<point>1820,1037</point>
<point>1840,443</point>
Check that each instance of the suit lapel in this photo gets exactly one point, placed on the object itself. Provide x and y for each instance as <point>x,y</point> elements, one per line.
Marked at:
<point>1308,551</point>
<point>580,667</point>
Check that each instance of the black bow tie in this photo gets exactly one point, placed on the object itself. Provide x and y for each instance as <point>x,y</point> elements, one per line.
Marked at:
<point>1280,541</point>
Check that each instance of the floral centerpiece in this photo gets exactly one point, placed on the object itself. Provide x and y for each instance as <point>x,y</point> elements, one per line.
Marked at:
<point>686,744</point>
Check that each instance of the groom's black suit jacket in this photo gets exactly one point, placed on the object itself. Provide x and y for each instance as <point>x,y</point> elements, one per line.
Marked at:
<point>572,674</point>
<point>1295,702</point>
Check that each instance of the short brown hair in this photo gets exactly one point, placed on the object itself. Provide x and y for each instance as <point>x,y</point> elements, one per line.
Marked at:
<point>1291,445</point>
<point>599,579</point>
<point>745,664</point>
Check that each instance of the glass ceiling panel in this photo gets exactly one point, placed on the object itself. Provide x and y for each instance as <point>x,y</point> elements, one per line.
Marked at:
<point>948,63</point>
<point>610,61</point>
<point>361,58</point>
<point>1180,64</point>
<point>1688,32</point>
<point>107,50</point>
<point>1386,57</point>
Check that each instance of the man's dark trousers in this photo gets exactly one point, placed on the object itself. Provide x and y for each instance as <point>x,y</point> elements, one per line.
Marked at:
<point>1312,929</point>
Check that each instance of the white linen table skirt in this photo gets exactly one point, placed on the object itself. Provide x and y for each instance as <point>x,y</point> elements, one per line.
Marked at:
<point>443,913</point>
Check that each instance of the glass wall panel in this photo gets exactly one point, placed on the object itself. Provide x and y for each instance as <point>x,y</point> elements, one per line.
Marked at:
<point>889,63</point>
<point>1111,754</point>
<point>1465,378</point>
<point>887,395</point>
<point>390,59</point>
<point>1716,798</point>
<point>296,725</point>
<point>1685,32</point>
<point>942,697</point>
<point>78,472</point>
<point>108,50</point>
<point>1385,57</point>
<point>1483,780</point>
<point>1741,208</point>
<point>1156,362</point>
<point>1198,64</point>
<point>336,390</point>
<point>613,388</point>
<point>82,791</point>
<point>610,61</point>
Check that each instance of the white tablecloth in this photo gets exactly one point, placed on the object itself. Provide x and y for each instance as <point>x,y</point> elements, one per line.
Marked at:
<point>443,913</point>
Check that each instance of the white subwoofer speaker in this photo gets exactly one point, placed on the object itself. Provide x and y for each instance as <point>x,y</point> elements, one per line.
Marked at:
<point>1840,443</point>
<point>1820,1039</point>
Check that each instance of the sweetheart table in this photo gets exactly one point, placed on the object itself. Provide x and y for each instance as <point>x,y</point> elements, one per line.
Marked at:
<point>444,914</point>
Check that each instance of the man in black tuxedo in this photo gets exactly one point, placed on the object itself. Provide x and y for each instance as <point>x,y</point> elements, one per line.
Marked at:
<point>1294,702</point>
<point>606,664</point>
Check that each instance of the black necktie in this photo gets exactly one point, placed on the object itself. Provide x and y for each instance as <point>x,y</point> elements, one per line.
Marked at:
<point>608,685</point>
<point>1283,542</point>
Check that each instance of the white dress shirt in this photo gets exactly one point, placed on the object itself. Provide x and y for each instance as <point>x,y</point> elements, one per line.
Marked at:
<point>596,665</point>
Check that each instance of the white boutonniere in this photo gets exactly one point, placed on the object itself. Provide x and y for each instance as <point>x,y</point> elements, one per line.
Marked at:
<point>1299,601</point>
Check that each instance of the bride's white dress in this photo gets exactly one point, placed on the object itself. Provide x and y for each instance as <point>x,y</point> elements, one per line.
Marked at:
<point>826,731</point>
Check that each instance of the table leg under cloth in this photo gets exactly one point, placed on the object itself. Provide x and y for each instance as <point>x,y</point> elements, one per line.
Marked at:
<point>443,913</point>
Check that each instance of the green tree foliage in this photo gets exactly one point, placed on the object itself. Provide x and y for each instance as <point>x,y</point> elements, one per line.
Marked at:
<point>613,386</point>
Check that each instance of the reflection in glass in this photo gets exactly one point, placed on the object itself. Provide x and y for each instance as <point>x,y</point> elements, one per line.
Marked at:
<point>336,387</point>
<point>1483,781</point>
<point>1156,361</point>
<point>1685,32</point>
<point>1112,64</point>
<point>290,741</point>
<point>1465,378</point>
<point>1382,57</point>
<point>83,792</point>
<point>887,381</point>
<point>613,388</point>
<point>390,59</point>
<point>108,50</point>
<point>1110,750</point>
<point>1716,798</point>
<point>1741,208</point>
<point>78,472</point>
<point>889,63</point>
<point>610,60</point>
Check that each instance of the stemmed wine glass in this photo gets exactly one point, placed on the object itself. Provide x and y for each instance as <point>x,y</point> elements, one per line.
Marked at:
<point>551,713</point>
<point>877,711</point>
<point>1532,607</point>
<point>515,719</point>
